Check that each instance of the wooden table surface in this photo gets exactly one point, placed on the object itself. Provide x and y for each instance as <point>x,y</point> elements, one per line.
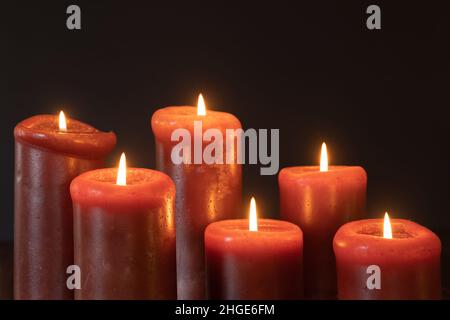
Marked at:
<point>6,267</point>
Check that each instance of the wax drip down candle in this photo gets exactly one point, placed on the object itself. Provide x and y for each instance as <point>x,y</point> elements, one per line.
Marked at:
<point>49,152</point>
<point>250,259</point>
<point>124,230</point>
<point>206,192</point>
<point>382,259</point>
<point>319,199</point>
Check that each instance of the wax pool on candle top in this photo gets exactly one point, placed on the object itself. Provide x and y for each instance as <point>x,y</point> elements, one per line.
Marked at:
<point>205,192</point>
<point>48,155</point>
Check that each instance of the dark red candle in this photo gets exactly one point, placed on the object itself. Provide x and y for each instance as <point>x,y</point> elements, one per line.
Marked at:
<point>244,263</point>
<point>124,229</point>
<point>373,266</point>
<point>205,192</point>
<point>48,155</point>
<point>319,200</point>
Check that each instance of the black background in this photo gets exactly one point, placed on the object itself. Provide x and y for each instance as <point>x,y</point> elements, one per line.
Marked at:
<point>378,98</point>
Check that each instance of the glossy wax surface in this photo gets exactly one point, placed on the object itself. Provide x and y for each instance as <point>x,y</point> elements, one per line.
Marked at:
<point>319,203</point>
<point>263,264</point>
<point>205,192</point>
<point>80,139</point>
<point>46,161</point>
<point>409,263</point>
<point>125,235</point>
<point>166,120</point>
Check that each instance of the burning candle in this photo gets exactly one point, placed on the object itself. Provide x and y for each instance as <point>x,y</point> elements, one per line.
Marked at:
<point>319,199</point>
<point>124,233</point>
<point>49,152</point>
<point>254,259</point>
<point>379,259</point>
<point>206,192</point>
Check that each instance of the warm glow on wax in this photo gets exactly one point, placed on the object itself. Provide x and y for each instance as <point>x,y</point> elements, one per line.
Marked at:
<point>387,228</point>
<point>62,121</point>
<point>201,107</point>
<point>122,171</point>
<point>324,158</point>
<point>253,218</point>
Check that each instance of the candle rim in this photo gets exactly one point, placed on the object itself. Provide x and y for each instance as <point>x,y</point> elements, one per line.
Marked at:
<point>167,119</point>
<point>170,115</point>
<point>399,230</point>
<point>88,190</point>
<point>186,111</point>
<point>347,242</point>
<point>135,176</point>
<point>240,227</point>
<point>89,144</point>
<point>396,224</point>
<point>352,230</point>
<point>312,170</point>
<point>49,123</point>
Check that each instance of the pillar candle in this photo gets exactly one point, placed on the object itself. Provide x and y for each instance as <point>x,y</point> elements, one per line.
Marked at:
<point>319,200</point>
<point>262,263</point>
<point>49,153</point>
<point>370,265</point>
<point>124,230</point>
<point>205,192</point>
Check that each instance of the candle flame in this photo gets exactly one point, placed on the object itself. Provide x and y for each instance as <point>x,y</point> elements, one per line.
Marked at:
<point>387,228</point>
<point>324,158</point>
<point>62,121</point>
<point>253,218</point>
<point>201,107</point>
<point>122,171</point>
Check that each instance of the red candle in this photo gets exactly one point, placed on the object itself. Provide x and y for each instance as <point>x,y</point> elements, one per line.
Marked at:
<point>124,232</point>
<point>252,260</point>
<point>205,192</point>
<point>383,263</point>
<point>48,155</point>
<point>319,200</point>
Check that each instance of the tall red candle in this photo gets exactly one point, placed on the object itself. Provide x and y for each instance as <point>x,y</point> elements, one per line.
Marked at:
<point>205,192</point>
<point>124,230</point>
<point>245,264</point>
<point>320,200</point>
<point>48,155</point>
<point>409,262</point>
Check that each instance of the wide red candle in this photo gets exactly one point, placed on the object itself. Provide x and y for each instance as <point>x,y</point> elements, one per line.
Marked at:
<point>319,202</point>
<point>409,263</point>
<point>205,192</point>
<point>254,265</point>
<point>125,235</point>
<point>47,158</point>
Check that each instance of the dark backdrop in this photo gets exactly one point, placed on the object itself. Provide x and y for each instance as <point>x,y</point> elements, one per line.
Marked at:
<point>378,98</point>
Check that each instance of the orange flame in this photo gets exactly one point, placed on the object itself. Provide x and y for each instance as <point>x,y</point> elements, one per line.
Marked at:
<point>387,228</point>
<point>201,107</point>
<point>122,171</point>
<point>253,218</point>
<point>324,158</point>
<point>62,121</point>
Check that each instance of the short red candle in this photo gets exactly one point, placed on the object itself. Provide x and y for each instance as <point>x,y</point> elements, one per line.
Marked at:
<point>125,235</point>
<point>409,262</point>
<point>46,161</point>
<point>205,192</point>
<point>246,265</point>
<point>319,203</point>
